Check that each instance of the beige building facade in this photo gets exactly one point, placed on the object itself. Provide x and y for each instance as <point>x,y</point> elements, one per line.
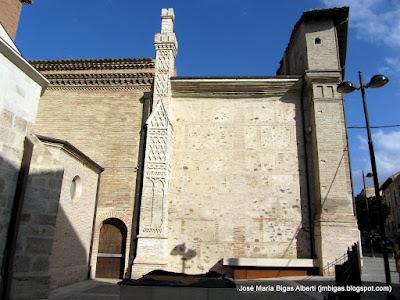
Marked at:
<point>206,173</point>
<point>198,174</point>
<point>249,172</point>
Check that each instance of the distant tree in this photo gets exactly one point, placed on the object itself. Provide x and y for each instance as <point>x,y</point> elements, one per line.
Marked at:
<point>363,215</point>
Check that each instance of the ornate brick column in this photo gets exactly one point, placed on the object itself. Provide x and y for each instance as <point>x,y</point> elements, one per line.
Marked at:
<point>152,247</point>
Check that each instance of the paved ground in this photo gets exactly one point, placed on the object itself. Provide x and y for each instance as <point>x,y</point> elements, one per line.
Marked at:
<point>373,274</point>
<point>88,290</point>
<point>373,270</point>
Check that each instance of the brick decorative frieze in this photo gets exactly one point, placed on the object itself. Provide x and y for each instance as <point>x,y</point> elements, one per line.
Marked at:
<point>107,79</point>
<point>153,216</point>
<point>93,64</point>
<point>166,47</point>
<point>82,73</point>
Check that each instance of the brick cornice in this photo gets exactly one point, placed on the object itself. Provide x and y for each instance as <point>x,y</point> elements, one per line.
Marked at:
<point>234,87</point>
<point>99,79</point>
<point>93,64</point>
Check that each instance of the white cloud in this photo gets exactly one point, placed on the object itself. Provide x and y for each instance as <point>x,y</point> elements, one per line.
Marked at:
<point>387,152</point>
<point>374,20</point>
<point>391,66</point>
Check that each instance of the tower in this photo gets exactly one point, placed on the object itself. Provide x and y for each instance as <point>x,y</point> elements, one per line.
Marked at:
<point>152,244</point>
<point>317,50</point>
<point>9,15</point>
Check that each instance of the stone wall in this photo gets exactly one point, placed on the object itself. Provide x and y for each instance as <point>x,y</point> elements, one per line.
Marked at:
<point>237,186</point>
<point>12,135</point>
<point>20,89</point>
<point>31,277</point>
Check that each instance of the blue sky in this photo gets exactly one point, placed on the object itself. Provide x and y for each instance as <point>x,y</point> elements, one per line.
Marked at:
<point>232,37</point>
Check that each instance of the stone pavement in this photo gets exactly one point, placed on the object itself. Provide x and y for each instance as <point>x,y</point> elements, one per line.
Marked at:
<point>98,289</point>
<point>373,274</point>
<point>373,270</point>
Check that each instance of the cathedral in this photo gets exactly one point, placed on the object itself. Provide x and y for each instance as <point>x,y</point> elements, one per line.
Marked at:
<point>125,167</point>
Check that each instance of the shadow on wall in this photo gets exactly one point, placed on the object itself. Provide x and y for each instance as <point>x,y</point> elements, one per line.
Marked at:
<point>30,211</point>
<point>303,235</point>
<point>146,100</point>
<point>185,254</point>
<point>69,260</point>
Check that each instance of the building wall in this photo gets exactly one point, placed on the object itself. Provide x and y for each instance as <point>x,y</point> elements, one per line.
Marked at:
<point>31,276</point>
<point>20,88</point>
<point>319,36</point>
<point>104,123</point>
<point>323,56</point>
<point>69,261</point>
<point>391,197</point>
<point>9,15</point>
<point>237,185</point>
<point>295,58</point>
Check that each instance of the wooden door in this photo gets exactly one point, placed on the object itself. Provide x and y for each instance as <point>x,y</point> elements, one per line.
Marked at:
<point>110,257</point>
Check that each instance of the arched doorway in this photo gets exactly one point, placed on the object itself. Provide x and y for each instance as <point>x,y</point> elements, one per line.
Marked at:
<point>111,253</point>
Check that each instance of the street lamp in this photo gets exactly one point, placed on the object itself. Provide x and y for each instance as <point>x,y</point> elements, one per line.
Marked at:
<point>369,175</point>
<point>345,87</point>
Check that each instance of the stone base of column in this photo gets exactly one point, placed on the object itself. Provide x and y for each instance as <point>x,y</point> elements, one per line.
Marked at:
<point>333,235</point>
<point>151,255</point>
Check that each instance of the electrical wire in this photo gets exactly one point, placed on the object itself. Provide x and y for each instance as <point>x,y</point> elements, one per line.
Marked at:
<point>382,126</point>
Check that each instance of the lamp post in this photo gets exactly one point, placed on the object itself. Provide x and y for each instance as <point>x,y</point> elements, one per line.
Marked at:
<point>368,217</point>
<point>348,87</point>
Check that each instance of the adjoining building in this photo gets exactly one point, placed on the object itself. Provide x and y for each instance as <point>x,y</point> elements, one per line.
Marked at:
<point>43,205</point>
<point>391,197</point>
<point>245,175</point>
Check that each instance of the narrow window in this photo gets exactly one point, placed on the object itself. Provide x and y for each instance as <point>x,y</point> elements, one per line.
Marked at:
<point>317,41</point>
<point>76,188</point>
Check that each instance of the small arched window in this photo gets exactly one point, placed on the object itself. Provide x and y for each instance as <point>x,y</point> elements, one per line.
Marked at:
<point>76,188</point>
<point>317,41</point>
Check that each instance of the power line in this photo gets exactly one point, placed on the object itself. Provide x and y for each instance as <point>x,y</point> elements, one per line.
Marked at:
<point>382,126</point>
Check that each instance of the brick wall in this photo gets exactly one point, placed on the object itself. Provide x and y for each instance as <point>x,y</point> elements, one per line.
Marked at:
<point>69,261</point>
<point>105,124</point>
<point>31,277</point>
<point>9,15</point>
